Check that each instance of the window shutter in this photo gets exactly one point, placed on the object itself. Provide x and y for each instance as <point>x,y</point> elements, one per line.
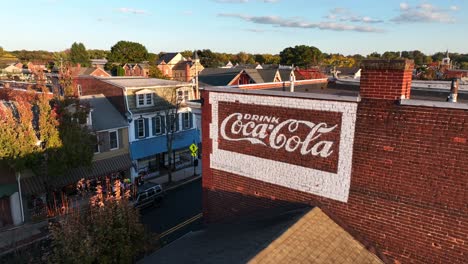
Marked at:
<point>177,122</point>
<point>163,124</point>
<point>135,125</point>
<point>191,120</point>
<point>153,121</point>
<point>146,127</point>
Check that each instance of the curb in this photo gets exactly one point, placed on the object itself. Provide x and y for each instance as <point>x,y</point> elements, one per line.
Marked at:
<point>183,183</point>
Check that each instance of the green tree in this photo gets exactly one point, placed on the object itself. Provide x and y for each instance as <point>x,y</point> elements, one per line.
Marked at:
<point>208,58</point>
<point>128,52</point>
<point>187,54</point>
<point>242,57</point>
<point>155,72</point>
<point>78,54</point>
<point>374,55</point>
<point>390,55</point>
<point>98,54</point>
<point>152,58</point>
<point>302,56</point>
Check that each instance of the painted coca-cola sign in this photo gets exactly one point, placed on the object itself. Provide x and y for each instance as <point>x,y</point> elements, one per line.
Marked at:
<point>309,139</point>
<point>300,143</point>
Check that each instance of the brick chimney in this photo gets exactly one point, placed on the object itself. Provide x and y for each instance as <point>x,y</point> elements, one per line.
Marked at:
<point>187,72</point>
<point>386,79</point>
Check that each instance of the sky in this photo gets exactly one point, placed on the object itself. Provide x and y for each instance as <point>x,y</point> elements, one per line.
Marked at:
<point>253,26</point>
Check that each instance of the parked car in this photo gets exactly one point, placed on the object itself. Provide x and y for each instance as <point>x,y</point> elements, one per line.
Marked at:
<point>148,194</point>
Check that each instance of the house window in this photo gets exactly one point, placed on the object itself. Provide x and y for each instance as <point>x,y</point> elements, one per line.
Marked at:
<point>140,128</point>
<point>144,99</point>
<point>157,125</point>
<point>141,99</point>
<point>186,120</point>
<point>80,91</point>
<point>113,140</point>
<point>186,95</point>
<point>172,122</point>
<point>180,95</point>
<point>96,146</point>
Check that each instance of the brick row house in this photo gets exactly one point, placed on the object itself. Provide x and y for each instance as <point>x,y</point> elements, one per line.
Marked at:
<point>143,102</point>
<point>136,69</point>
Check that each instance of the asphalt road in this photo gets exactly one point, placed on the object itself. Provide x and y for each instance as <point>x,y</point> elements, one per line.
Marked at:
<point>178,205</point>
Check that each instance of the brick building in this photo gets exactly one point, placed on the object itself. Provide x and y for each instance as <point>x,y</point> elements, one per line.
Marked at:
<point>390,170</point>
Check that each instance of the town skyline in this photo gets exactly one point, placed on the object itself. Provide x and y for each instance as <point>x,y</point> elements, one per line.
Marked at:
<point>266,26</point>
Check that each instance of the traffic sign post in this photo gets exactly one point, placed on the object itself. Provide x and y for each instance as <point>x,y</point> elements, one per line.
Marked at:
<point>194,150</point>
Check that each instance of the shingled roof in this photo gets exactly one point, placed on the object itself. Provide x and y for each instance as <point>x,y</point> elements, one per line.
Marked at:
<point>311,237</point>
<point>167,57</point>
<point>218,76</point>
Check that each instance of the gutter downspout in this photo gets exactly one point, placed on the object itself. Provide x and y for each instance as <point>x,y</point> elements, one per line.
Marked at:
<point>18,178</point>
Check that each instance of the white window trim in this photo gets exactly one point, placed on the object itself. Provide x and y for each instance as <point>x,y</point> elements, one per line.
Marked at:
<point>117,138</point>
<point>80,91</point>
<point>138,129</point>
<point>98,145</point>
<point>160,126</point>
<point>188,120</point>
<point>145,99</point>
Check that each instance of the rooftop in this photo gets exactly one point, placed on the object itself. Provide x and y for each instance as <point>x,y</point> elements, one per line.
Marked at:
<point>140,82</point>
<point>296,237</point>
<point>104,115</point>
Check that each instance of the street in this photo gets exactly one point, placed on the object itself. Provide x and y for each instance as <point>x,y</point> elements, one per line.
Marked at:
<point>178,206</point>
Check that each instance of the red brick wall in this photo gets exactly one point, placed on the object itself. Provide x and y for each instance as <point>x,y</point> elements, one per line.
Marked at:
<point>91,85</point>
<point>409,180</point>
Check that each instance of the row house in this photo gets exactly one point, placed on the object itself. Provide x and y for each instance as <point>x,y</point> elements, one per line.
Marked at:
<point>144,103</point>
<point>136,69</point>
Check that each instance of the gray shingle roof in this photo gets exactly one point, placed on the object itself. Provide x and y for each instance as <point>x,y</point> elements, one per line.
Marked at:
<point>268,75</point>
<point>218,76</point>
<point>284,74</point>
<point>129,82</point>
<point>253,73</point>
<point>104,115</point>
<point>167,57</point>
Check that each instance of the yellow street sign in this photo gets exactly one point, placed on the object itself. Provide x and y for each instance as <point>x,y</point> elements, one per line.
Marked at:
<point>193,148</point>
<point>194,154</point>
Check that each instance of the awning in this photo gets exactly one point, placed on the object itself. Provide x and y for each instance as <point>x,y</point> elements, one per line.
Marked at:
<point>36,184</point>
<point>151,146</point>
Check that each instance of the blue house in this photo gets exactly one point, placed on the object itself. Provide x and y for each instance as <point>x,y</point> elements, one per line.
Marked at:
<point>153,108</point>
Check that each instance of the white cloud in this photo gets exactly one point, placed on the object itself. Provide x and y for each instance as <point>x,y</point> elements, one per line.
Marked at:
<point>132,11</point>
<point>404,6</point>
<point>296,23</point>
<point>346,15</point>
<point>424,13</point>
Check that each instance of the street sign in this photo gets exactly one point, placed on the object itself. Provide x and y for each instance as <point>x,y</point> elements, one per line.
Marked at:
<point>194,154</point>
<point>193,148</point>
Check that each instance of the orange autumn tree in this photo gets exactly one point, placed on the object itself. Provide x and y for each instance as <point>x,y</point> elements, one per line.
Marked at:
<point>108,230</point>
<point>26,120</point>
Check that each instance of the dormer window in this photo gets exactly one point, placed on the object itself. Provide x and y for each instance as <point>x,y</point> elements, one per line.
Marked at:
<point>144,98</point>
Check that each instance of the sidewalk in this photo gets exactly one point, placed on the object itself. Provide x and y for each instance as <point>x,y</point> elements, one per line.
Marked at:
<point>28,232</point>
<point>178,177</point>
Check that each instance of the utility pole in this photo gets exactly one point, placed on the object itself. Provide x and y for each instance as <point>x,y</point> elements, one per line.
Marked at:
<point>197,91</point>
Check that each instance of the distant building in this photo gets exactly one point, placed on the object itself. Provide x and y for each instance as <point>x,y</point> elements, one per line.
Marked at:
<point>98,63</point>
<point>136,69</point>
<point>176,67</point>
